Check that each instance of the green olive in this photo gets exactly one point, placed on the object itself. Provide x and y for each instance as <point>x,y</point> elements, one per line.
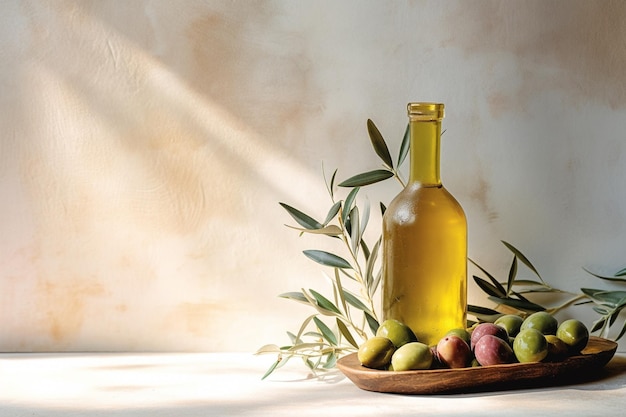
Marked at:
<point>574,333</point>
<point>546,323</point>
<point>376,352</point>
<point>530,345</point>
<point>511,323</point>
<point>411,356</point>
<point>462,333</point>
<point>396,331</point>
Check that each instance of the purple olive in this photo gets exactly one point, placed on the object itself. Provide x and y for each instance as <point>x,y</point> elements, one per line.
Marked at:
<point>492,350</point>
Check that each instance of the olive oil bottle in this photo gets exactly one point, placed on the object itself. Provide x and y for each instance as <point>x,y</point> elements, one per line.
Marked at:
<point>425,240</point>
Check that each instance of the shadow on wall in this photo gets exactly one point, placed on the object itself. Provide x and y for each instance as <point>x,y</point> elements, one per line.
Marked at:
<point>575,46</point>
<point>133,177</point>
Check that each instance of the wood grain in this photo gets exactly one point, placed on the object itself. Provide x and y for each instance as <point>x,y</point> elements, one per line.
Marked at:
<point>574,369</point>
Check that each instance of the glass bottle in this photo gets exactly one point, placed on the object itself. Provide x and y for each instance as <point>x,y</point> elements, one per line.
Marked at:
<point>425,240</point>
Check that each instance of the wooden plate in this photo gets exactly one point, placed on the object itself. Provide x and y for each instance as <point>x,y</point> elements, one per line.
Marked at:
<point>480,379</point>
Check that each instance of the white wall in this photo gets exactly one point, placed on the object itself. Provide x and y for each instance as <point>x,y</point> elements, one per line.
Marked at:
<point>145,145</point>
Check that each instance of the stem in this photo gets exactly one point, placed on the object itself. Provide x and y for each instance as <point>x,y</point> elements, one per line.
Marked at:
<point>396,175</point>
<point>356,265</point>
<point>556,309</point>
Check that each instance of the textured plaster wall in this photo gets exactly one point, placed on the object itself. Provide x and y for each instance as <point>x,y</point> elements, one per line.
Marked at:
<point>145,145</point>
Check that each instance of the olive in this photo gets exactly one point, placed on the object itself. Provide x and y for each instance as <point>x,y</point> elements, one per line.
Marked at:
<point>511,323</point>
<point>530,345</point>
<point>546,323</point>
<point>453,352</point>
<point>493,350</point>
<point>557,349</point>
<point>376,352</point>
<point>575,335</point>
<point>411,356</point>
<point>462,333</point>
<point>487,329</point>
<point>396,331</point>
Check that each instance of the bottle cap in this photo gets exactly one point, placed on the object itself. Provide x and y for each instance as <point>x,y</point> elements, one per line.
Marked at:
<point>425,111</point>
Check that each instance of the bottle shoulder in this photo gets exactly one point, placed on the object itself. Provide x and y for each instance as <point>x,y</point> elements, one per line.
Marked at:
<point>413,199</point>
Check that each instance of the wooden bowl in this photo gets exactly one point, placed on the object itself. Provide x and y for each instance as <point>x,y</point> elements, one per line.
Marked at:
<point>573,369</point>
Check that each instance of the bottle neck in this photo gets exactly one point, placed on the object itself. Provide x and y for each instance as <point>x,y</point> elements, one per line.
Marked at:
<point>425,150</point>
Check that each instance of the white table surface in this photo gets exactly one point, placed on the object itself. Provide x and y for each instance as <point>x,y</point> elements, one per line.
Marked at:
<point>229,384</point>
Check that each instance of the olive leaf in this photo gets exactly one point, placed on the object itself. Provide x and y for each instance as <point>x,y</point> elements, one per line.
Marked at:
<point>324,302</point>
<point>332,212</point>
<point>367,178</point>
<point>295,295</point>
<point>302,219</point>
<point>326,332</point>
<point>404,146</point>
<point>489,288</point>
<point>512,274</point>
<point>614,278</point>
<point>345,332</point>
<point>331,230</point>
<point>350,200</point>
<point>326,258</point>
<point>483,313</point>
<point>379,144</point>
<point>371,322</point>
<point>518,254</point>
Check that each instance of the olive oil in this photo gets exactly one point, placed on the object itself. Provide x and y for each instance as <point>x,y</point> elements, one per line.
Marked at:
<point>425,240</point>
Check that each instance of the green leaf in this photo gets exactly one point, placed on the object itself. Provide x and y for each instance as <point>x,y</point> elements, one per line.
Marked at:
<point>354,301</point>
<point>614,299</point>
<point>324,302</point>
<point>380,147</point>
<point>404,146</point>
<point>621,273</point>
<point>331,230</point>
<point>355,235</point>
<point>271,368</point>
<point>614,279</point>
<point>519,304</point>
<point>339,287</point>
<point>531,283</point>
<point>268,349</point>
<point>488,288</point>
<point>346,333</point>
<point>367,178</point>
<point>347,205</point>
<point>331,360</point>
<point>369,266</point>
<point>332,212</point>
<point>366,250</point>
<point>622,332</point>
<point>326,258</point>
<point>297,339</point>
<point>600,310</point>
<point>326,332</point>
<point>303,220</point>
<point>330,186</point>
<point>295,295</point>
<point>371,322</point>
<point>307,346</point>
<point>522,258</point>
<point>481,310</point>
<point>598,324</point>
<point>494,281</point>
<point>483,313</point>
<point>366,217</point>
<point>512,274</point>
